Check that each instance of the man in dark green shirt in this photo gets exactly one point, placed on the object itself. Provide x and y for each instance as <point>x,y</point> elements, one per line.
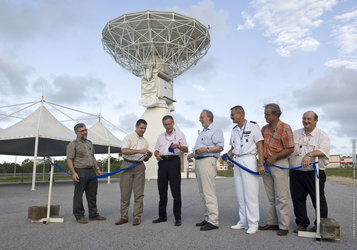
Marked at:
<point>82,163</point>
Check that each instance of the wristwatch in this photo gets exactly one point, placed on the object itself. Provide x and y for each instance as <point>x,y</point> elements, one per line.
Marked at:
<point>208,149</point>
<point>309,154</point>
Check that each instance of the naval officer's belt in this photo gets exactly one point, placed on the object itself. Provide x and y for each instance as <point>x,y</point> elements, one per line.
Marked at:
<point>244,155</point>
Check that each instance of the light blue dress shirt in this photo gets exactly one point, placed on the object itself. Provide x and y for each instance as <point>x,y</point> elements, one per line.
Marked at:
<point>209,137</point>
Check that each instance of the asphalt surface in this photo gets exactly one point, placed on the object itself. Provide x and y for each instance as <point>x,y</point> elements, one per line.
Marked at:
<point>17,232</point>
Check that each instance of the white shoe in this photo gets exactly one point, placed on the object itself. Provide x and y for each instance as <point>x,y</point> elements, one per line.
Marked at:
<point>238,227</point>
<point>252,230</point>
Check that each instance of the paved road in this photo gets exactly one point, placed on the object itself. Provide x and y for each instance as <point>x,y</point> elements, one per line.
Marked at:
<point>16,232</point>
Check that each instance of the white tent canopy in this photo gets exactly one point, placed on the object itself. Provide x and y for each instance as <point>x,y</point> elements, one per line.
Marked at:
<point>19,139</point>
<point>41,134</point>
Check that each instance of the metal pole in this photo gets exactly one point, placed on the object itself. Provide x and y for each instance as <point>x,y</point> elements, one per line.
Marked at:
<point>354,189</point>
<point>49,195</point>
<point>109,164</point>
<point>15,165</point>
<point>317,190</point>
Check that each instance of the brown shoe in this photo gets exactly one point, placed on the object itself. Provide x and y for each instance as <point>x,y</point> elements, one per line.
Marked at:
<point>299,228</point>
<point>313,229</point>
<point>269,227</point>
<point>121,221</point>
<point>136,222</point>
<point>99,217</point>
<point>282,232</point>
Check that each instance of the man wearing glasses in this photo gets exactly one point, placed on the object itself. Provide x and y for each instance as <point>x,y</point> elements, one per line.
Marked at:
<point>82,163</point>
<point>168,149</point>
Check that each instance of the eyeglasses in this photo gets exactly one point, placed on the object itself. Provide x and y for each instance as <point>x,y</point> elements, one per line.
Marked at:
<point>83,131</point>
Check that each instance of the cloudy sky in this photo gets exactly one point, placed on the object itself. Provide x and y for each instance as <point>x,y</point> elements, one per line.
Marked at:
<point>300,54</point>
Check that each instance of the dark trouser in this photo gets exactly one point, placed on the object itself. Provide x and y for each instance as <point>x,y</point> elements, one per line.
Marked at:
<point>89,186</point>
<point>302,183</point>
<point>169,171</point>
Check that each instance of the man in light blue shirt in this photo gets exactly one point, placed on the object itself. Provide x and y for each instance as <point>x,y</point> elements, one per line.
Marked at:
<point>207,149</point>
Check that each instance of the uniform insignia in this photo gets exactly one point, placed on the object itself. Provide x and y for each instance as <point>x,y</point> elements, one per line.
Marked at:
<point>253,122</point>
<point>235,126</point>
<point>247,132</point>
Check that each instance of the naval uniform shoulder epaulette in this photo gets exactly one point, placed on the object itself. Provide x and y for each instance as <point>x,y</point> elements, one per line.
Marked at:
<point>253,122</point>
<point>235,126</point>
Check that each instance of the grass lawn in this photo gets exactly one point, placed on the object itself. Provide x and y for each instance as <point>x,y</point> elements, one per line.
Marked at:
<point>342,172</point>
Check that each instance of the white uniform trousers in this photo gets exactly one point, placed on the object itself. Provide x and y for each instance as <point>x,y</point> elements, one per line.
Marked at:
<point>247,190</point>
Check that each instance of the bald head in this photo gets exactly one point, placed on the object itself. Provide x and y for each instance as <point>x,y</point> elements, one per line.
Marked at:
<point>309,120</point>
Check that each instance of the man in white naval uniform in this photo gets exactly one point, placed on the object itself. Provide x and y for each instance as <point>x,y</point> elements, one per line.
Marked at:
<point>246,141</point>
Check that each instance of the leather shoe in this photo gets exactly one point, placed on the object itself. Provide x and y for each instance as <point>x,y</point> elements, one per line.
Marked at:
<point>136,222</point>
<point>160,219</point>
<point>178,223</point>
<point>99,217</point>
<point>313,229</point>
<point>282,232</point>
<point>121,221</point>
<point>269,227</point>
<point>82,220</point>
<point>202,223</point>
<point>208,227</point>
<point>299,228</point>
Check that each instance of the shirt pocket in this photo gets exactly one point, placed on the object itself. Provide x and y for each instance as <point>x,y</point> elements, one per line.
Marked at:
<point>275,143</point>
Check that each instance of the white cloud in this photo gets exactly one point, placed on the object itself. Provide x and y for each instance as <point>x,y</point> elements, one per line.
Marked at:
<point>289,23</point>
<point>206,13</point>
<point>127,121</point>
<point>74,89</point>
<point>342,63</point>
<point>182,121</point>
<point>335,94</point>
<point>223,122</point>
<point>249,23</point>
<point>198,87</point>
<point>23,20</point>
<point>346,32</point>
<point>14,73</point>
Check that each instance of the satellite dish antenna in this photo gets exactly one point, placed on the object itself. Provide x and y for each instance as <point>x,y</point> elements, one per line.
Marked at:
<point>156,46</point>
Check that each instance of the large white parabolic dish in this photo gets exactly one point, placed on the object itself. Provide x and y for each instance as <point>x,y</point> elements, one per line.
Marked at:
<point>156,46</point>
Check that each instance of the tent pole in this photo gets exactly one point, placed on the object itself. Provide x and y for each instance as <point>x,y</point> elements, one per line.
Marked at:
<point>109,164</point>
<point>34,164</point>
<point>36,148</point>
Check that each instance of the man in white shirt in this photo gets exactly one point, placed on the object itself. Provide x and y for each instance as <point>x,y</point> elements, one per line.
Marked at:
<point>135,146</point>
<point>310,142</point>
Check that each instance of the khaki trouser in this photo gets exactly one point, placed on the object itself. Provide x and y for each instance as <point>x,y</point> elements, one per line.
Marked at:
<point>277,189</point>
<point>206,172</point>
<point>132,179</point>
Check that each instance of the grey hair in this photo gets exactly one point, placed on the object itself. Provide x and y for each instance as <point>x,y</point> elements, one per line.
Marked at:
<point>275,109</point>
<point>209,114</point>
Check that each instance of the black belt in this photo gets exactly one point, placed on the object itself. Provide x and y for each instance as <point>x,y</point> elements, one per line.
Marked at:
<point>132,161</point>
<point>206,157</point>
<point>169,157</point>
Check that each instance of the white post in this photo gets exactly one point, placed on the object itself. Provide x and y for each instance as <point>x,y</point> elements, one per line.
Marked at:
<point>49,195</point>
<point>317,234</point>
<point>317,188</point>
<point>109,164</point>
<point>34,164</point>
<point>354,189</point>
<point>36,147</point>
<point>48,219</point>
<point>15,165</point>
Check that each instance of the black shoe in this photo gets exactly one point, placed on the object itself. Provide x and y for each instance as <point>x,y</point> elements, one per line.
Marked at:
<point>208,227</point>
<point>160,219</point>
<point>202,223</point>
<point>178,223</point>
